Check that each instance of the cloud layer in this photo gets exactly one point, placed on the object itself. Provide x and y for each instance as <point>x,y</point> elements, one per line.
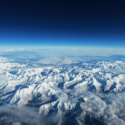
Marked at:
<point>62,90</point>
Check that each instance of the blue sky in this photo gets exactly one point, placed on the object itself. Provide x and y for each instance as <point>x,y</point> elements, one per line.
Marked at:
<point>54,38</point>
<point>61,23</point>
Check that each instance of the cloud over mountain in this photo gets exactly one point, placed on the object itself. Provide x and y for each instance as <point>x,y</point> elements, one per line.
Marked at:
<point>70,90</point>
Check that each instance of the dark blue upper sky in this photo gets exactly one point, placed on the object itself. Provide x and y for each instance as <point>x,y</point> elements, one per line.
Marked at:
<point>62,23</point>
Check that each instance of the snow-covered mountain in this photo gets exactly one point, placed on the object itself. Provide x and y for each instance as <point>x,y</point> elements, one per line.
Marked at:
<point>62,91</point>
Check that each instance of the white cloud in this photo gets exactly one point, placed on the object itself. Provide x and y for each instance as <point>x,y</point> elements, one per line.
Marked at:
<point>89,88</point>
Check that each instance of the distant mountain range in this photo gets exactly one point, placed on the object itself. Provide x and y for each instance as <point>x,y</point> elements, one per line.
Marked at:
<point>73,91</point>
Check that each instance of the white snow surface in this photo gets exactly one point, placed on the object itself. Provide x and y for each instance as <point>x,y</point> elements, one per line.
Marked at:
<point>96,88</point>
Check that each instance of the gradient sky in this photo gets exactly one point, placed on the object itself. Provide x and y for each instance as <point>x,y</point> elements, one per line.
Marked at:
<point>90,23</point>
